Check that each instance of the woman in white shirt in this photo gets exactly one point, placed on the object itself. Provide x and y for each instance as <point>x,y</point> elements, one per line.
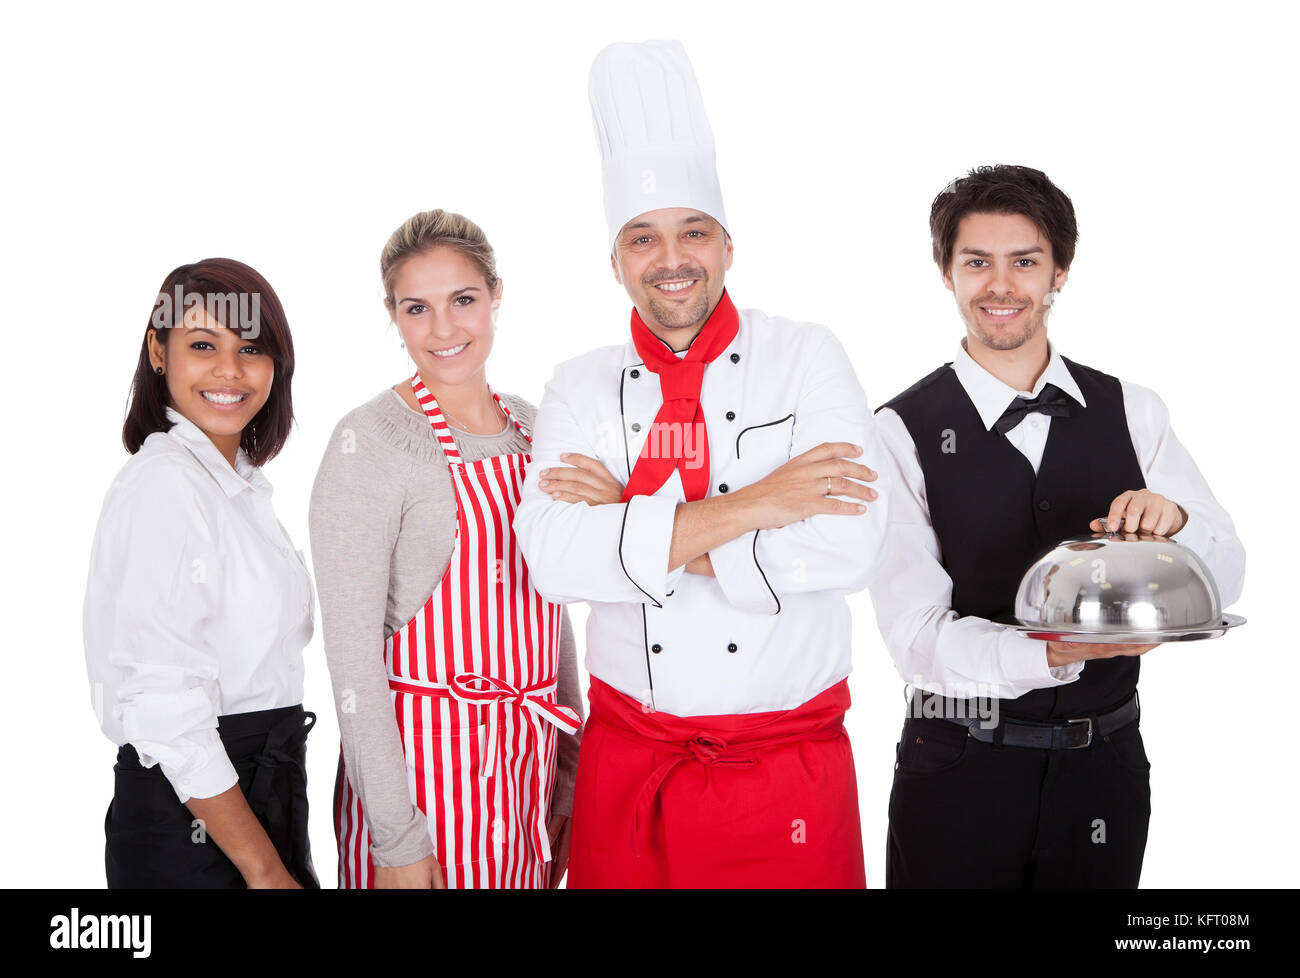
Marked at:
<point>197,605</point>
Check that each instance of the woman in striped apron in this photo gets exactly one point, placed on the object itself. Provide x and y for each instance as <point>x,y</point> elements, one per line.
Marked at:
<point>472,675</point>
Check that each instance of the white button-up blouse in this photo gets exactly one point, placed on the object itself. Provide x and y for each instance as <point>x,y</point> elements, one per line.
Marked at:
<point>197,606</point>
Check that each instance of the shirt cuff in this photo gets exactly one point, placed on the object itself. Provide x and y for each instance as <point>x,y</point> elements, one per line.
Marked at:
<point>645,542</point>
<point>410,846</point>
<point>1025,663</point>
<point>736,567</point>
<point>210,776</point>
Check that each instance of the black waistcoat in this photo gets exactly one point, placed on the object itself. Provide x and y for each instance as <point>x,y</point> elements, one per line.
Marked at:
<point>994,517</point>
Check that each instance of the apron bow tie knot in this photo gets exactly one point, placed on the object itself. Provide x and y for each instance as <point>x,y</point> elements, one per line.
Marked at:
<point>479,690</point>
<point>705,748</point>
<point>284,743</point>
<point>713,750</point>
<point>471,687</point>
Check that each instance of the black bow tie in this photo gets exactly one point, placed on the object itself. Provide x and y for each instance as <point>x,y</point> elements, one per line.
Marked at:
<point>1050,401</point>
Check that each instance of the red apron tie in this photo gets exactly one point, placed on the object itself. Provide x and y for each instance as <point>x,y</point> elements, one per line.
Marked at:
<point>706,749</point>
<point>486,691</point>
<point>470,687</point>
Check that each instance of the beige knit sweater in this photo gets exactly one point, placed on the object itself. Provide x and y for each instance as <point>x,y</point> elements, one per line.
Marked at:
<point>383,523</point>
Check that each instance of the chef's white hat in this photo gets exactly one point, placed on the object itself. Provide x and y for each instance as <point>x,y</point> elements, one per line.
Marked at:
<point>655,143</point>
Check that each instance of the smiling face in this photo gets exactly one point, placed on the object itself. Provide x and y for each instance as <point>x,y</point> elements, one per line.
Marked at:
<point>215,377</point>
<point>672,263</point>
<point>1002,272</point>
<point>443,308</point>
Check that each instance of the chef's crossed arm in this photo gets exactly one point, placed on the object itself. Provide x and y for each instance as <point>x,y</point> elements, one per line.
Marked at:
<point>828,551</point>
<point>613,552</point>
<point>620,551</point>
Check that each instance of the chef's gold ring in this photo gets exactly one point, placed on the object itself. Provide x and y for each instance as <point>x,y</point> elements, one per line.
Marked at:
<point>828,485</point>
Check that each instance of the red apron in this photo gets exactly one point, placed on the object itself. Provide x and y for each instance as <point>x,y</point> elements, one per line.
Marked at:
<point>750,800</point>
<point>473,678</point>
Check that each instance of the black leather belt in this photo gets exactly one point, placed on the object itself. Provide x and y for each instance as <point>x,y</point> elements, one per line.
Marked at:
<point>1065,735</point>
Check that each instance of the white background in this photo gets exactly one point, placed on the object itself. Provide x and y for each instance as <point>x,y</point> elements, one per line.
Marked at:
<point>296,138</point>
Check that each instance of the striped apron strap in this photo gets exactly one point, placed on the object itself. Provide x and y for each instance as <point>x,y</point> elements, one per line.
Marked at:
<point>440,427</point>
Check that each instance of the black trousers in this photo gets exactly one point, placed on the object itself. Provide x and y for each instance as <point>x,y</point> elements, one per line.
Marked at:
<point>963,813</point>
<point>151,840</point>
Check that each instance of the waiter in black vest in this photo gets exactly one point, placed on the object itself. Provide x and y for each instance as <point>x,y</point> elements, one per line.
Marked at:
<point>1020,762</point>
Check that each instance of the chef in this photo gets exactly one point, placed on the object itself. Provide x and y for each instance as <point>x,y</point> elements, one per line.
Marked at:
<point>703,485</point>
<point>1024,765</point>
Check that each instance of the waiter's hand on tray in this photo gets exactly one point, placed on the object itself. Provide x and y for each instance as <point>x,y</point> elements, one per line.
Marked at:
<point>557,829</point>
<point>799,488</point>
<point>1138,510</point>
<point>1145,511</point>
<point>1063,653</point>
<point>423,875</point>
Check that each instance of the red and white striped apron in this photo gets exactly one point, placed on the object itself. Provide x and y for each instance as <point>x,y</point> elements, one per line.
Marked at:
<point>473,678</point>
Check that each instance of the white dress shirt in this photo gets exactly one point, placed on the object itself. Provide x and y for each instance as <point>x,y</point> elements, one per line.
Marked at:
<point>963,657</point>
<point>197,606</point>
<point>772,629</point>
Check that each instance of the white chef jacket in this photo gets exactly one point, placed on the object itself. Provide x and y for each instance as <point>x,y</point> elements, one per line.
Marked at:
<point>772,629</point>
<point>197,606</point>
<point>963,657</point>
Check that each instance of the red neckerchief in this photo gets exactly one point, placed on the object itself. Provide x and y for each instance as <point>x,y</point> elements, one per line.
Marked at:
<point>680,381</point>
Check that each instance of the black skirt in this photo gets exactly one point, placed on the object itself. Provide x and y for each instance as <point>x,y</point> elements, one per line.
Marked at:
<point>152,839</point>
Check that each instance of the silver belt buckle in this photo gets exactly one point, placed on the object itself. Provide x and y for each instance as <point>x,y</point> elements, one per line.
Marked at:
<point>1086,743</point>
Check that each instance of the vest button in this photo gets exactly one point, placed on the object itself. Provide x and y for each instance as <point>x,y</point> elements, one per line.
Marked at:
<point>635,373</point>
<point>636,426</point>
<point>722,487</point>
<point>735,358</point>
<point>731,647</point>
<point>656,647</point>
<point>731,415</point>
<point>1044,505</point>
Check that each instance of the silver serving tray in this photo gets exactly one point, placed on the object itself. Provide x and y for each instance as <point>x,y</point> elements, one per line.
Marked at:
<point>1148,637</point>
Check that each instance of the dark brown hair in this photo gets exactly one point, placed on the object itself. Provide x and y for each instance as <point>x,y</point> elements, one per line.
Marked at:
<point>1004,189</point>
<point>265,435</point>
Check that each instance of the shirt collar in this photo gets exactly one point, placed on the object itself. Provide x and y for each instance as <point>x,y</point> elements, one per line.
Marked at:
<point>245,475</point>
<point>632,357</point>
<point>991,397</point>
